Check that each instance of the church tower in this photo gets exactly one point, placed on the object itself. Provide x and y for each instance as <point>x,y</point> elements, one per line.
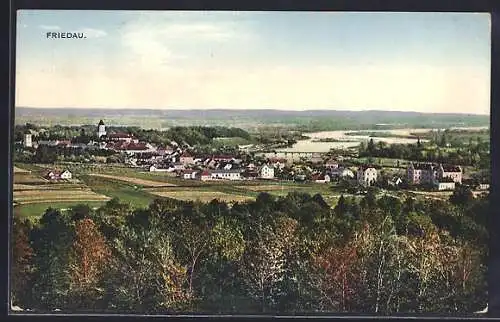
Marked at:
<point>101,129</point>
<point>28,143</point>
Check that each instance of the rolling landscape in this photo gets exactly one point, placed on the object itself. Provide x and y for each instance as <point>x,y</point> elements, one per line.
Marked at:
<point>251,163</point>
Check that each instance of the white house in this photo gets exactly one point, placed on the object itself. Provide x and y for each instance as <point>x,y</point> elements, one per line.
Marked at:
<point>225,175</point>
<point>28,143</point>
<point>266,172</point>
<point>66,175</point>
<point>188,175</point>
<point>323,178</point>
<point>484,186</point>
<point>450,171</point>
<point>445,185</point>
<point>228,166</point>
<point>178,166</point>
<point>55,175</point>
<point>331,164</point>
<point>155,168</point>
<point>367,175</point>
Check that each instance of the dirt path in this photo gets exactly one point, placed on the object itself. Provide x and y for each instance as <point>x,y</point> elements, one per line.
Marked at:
<point>137,181</point>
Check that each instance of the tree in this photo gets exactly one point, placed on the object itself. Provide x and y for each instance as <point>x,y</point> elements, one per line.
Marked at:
<point>263,264</point>
<point>338,271</point>
<point>51,244</point>
<point>89,256</point>
<point>462,196</point>
<point>145,276</point>
<point>22,263</point>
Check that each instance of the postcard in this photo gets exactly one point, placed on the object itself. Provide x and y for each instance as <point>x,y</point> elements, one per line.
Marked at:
<point>232,162</point>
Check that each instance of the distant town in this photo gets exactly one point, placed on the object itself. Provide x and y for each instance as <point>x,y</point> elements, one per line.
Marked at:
<point>184,162</point>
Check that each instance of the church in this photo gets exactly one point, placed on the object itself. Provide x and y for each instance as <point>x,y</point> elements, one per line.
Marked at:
<point>101,129</point>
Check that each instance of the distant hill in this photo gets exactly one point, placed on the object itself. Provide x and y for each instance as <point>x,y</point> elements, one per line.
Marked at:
<point>304,120</point>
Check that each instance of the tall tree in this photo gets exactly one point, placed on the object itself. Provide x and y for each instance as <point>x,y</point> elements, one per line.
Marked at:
<point>51,244</point>
<point>21,263</point>
<point>89,256</point>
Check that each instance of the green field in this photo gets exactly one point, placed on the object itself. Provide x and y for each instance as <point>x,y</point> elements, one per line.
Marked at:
<point>116,189</point>
<point>33,211</point>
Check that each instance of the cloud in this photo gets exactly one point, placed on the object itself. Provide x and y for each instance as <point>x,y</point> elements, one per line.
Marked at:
<point>50,27</point>
<point>155,41</point>
<point>92,33</point>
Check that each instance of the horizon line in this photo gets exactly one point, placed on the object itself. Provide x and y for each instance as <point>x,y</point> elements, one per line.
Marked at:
<point>243,109</point>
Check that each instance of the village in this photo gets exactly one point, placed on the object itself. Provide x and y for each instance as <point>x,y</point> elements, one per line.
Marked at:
<point>185,163</point>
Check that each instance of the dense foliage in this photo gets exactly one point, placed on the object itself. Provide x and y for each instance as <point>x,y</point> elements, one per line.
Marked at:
<point>273,255</point>
<point>475,153</point>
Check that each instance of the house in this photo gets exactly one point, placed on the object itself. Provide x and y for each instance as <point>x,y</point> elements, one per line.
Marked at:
<point>316,158</point>
<point>164,151</point>
<point>226,175</point>
<point>186,158</point>
<point>483,186</point>
<point>66,175</point>
<point>223,158</point>
<point>300,177</point>
<point>228,166</point>
<point>445,184</point>
<point>331,164</point>
<point>205,175</point>
<point>266,172</point>
<point>250,175</point>
<point>342,173</point>
<point>178,167</point>
<point>321,178</point>
<point>450,171</point>
<point>157,168</point>
<point>28,142</point>
<point>278,163</point>
<point>188,175</point>
<point>122,137</point>
<point>421,173</point>
<point>367,175</point>
<point>56,175</point>
<point>135,148</point>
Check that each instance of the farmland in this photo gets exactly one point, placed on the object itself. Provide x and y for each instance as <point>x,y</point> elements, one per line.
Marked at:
<point>135,181</point>
<point>32,194</point>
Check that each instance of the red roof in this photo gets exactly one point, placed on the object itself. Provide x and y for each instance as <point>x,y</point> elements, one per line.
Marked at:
<point>205,173</point>
<point>120,136</point>
<point>136,146</point>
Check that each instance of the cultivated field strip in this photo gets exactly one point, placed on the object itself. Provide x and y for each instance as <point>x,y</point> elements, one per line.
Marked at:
<point>137,181</point>
<point>36,196</point>
<point>28,179</point>
<point>19,170</point>
<point>268,187</point>
<point>56,186</point>
<point>204,196</point>
<point>64,200</point>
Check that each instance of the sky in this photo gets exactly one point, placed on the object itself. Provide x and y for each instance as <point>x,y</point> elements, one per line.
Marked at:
<point>425,62</point>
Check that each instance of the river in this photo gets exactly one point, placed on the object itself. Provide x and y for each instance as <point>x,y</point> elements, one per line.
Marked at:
<point>348,141</point>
